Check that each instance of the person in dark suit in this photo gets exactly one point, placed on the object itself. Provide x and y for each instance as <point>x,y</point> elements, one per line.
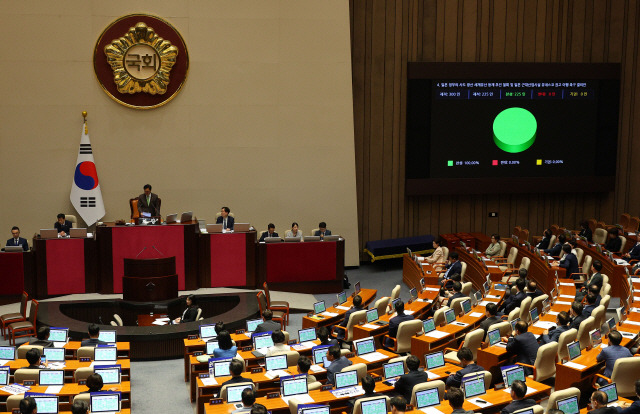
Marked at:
<point>557,248</point>
<point>94,333</point>
<point>611,354</point>
<point>576,315</point>
<point>598,404</point>
<point>395,322</point>
<point>368,386</point>
<point>225,219</point>
<point>236,368</point>
<point>191,312</point>
<point>148,202</point>
<point>591,305</point>
<point>248,399</point>
<point>596,279</point>
<point>79,407</point>
<point>569,262</point>
<point>338,362</point>
<point>398,404</point>
<point>533,291</point>
<point>585,231</point>
<point>16,240</point>
<point>546,239</point>
<point>596,291</point>
<point>518,392</point>
<point>28,406</point>
<point>357,306</point>
<point>322,230</point>
<point>523,344</point>
<point>635,407</point>
<point>62,225</point>
<point>634,253</point>
<point>468,366</point>
<point>491,312</point>
<point>614,242</point>
<point>455,396</point>
<point>454,266</point>
<point>323,337</point>
<point>457,293</point>
<point>514,301</point>
<point>269,325</point>
<point>43,338</point>
<point>271,232</point>
<point>406,382</point>
<point>33,358</point>
<point>552,335</point>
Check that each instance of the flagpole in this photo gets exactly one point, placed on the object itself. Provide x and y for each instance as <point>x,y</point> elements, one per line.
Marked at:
<point>84,115</point>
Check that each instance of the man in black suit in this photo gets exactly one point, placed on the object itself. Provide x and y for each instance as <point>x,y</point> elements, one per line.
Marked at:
<point>491,311</point>
<point>533,291</point>
<point>395,322</point>
<point>268,325</point>
<point>357,306</point>
<point>557,248</point>
<point>576,314</point>
<point>94,333</point>
<point>468,366</point>
<point>236,368</point>
<point>614,242</point>
<point>28,406</point>
<point>634,253</point>
<point>514,301</point>
<point>16,240</point>
<point>148,202</point>
<point>569,262</point>
<point>457,293</point>
<point>43,338</point>
<point>523,345</point>
<point>33,358</point>
<point>337,363</point>
<point>598,404</point>
<point>62,225</point>
<point>635,407</point>
<point>546,238</point>
<point>271,232</point>
<point>596,279</point>
<point>406,382</point>
<point>552,335</point>
<point>518,392</point>
<point>322,230</point>
<point>591,305</point>
<point>454,266</point>
<point>323,337</point>
<point>225,219</point>
<point>368,386</point>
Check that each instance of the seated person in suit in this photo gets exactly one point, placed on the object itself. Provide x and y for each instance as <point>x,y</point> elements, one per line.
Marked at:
<point>28,406</point>
<point>454,266</point>
<point>33,358</point>
<point>611,353</point>
<point>456,400</point>
<point>323,336</point>
<point>557,248</point>
<point>16,240</point>
<point>634,408</point>
<point>236,368</point>
<point>148,202</point>
<point>518,393</point>
<point>271,232</point>
<point>62,225</point>
<point>598,403</point>
<point>569,262</point>
<point>438,255</point>
<point>368,386</point>
<point>322,230</point>
<point>226,348</point>
<point>42,338</point>
<point>95,384</point>
<point>337,363</point>
<point>576,315</point>
<point>446,293</point>
<point>596,291</point>
<point>248,399</point>
<point>268,325</point>
<point>294,231</point>
<point>524,345</point>
<point>94,333</point>
<point>514,301</point>
<point>533,291</point>
<point>304,364</point>
<point>494,247</point>
<point>258,409</point>
<point>406,382</point>
<point>191,312</point>
<point>585,231</point>
<point>614,242</point>
<point>79,407</point>
<point>552,335</point>
<point>279,346</point>
<point>590,305</point>
<point>357,306</point>
<point>546,238</point>
<point>225,219</point>
<point>595,279</point>
<point>457,293</point>
<point>395,322</point>
<point>398,405</point>
<point>468,366</point>
<point>634,253</point>
<point>491,311</point>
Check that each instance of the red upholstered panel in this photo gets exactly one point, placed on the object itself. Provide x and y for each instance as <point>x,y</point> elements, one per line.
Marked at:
<point>65,266</point>
<point>294,262</point>
<point>11,274</point>
<point>128,242</point>
<point>228,259</point>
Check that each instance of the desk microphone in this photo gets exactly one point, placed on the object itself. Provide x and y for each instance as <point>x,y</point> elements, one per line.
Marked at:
<point>143,249</point>
<point>154,246</point>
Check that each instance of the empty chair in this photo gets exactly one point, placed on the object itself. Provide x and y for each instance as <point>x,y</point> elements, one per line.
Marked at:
<point>381,305</point>
<point>524,236</point>
<point>20,316</point>
<point>23,349</point>
<point>598,314</point>
<point>276,305</point>
<point>508,265</point>
<point>395,293</point>
<point>82,373</point>
<point>118,319</point>
<point>360,368</point>
<point>565,339</point>
<point>86,352</point>
<point>600,236</point>
<point>625,372</point>
<point>466,288</point>
<point>292,357</point>
<point>23,374</point>
<point>525,263</point>
<point>561,395</point>
<point>402,341</point>
<point>427,386</point>
<point>538,303</point>
<point>525,307</point>
<point>513,314</point>
<point>438,316</point>
<point>486,374</point>
<point>24,328</point>
<point>583,332</point>
<point>585,270</point>
<point>472,340</point>
<point>545,365</point>
<point>456,304</point>
<point>13,402</point>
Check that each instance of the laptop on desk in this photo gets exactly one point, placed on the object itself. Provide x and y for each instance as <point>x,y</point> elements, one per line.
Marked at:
<point>48,233</point>
<point>13,249</point>
<point>104,402</point>
<point>272,240</point>
<point>172,218</point>
<point>214,228</point>
<point>186,216</point>
<point>78,233</point>
<point>241,227</point>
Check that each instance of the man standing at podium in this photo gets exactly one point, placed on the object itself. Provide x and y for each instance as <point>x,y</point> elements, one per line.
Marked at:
<point>225,219</point>
<point>148,202</point>
<point>16,240</point>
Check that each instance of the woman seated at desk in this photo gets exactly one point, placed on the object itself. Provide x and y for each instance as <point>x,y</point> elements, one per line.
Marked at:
<point>226,348</point>
<point>293,232</point>
<point>495,247</point>
<point>438,255</point>
<point>191,313</point>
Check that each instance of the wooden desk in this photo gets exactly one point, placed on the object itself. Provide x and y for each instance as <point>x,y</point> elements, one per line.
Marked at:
<point>367,295</point>
<point>69,391</point>
<point>71,349</point>
<point>71,365</point>
<point>17,272</point>
<point>227,259</point>
<point>192,346</point>
<point>616,273</point>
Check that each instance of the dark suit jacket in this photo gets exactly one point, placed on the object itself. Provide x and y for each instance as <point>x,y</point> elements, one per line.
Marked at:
<point>405,383</point>
<point>614,245</point>
<point>535,294</point>
<point>525,347</point>
<point>454,296</point>
<point>44,343</point>
<point>336,366</point>
<point>455,380</point>
<point>153,207</point>
<point>570,262</point>
<point>635,252</point>
<point>575,323</point>
<point>633,409</point>
<point>92,342</point>
<point>453,268</point>
<point>326,233</point>
<point>268,326</point>
<point>190,315</point>
<point>394,323</point>
<point>514,301</point>
<point>230,222</point>
<point>345,321</point>
<point>236,380</point>
<point>266,234</point>
<point>488,322</point>
<point>586,311</point>
<point>604,410</point>
<point>518,405</point>
<point>554,334</point>
<point>21,242</point>
<point>63,227</point>
<point>587,233</point>
<point>331,341</point>
<point>544,243</point>
<point>610,355</point>
<point>555,250</point>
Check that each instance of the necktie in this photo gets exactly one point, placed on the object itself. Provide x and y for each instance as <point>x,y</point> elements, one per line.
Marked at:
<point>224,224</point>
<point>16,240</point>
<point>148,200</point>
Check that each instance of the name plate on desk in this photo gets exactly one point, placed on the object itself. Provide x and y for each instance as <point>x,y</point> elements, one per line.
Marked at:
<point>256,370</point>
<point>215,401</point>
<point>198,353</point>
<point>27,383</point>
<point>328,387</point>
<point>273,395</point>
<point>240,331</point>
<point>191,337</point>
<point>84,359</point>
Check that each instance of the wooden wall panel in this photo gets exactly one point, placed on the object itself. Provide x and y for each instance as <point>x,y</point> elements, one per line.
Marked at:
<point>385,35</point>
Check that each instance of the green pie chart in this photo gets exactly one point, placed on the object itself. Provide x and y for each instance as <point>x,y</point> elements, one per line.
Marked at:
<point>514,130</point>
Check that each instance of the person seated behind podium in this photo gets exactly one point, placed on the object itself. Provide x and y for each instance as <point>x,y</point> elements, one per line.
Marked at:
<point>33,358</point>
<point>438,254</point>
<point>248,399</point>
<point>394,323</point>
<point>357,306</point>
<point>611,354</point>
<point>553,335</point>
<point>569,262</point>
<point>16,240</point>
<point>79,407</point>
<point>598,403</point>
<point>585,231</point>
<point>94,333</point>
<point>614,242</point>
<point>191,313</point>
<point>523,344</point>
<point>279,346</point>
<point>337,363</point>
<point>406,382</point>
<point>323,336</point>
<point>236,368</point>
<point>590,305</point>
<point>322,230</point>
<point>518,394</point>
<point>271,232</point>
<point>468,366</point>
<point>226,348</point>
<point>596,279</point>
<point>294,231</point>
<point>42,338</point>
<point>268,325</point>
<point>557,248</point>
<point>457,293</point>
<point>456,400</point>
<point>494,247</point>
<point>546,238</point>
<point>148,203</point>
<point>491,313</point>
<point>62,225</point>
<point>225,219</point>
<point>28,406</point>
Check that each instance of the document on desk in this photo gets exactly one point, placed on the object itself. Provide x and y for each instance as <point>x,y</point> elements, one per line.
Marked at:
<point>432,376</point>
<point>53,389</point>
<point>437,334</point>
<point>626,334</point>
<point>421,259</point>
<point>552,312</point>
<point>302,398</point>
<point>574,365</point>
<point>3,361</point>
<point>544,324</point>
<point>276,373</point>
<point>59,344</point>
<point>635,279</point>
<point>208,382</point>
<point>329,314</point>
<point>431,410</point>
<point>316,368</point>
<point>631,322</point>
<point>567,296</point>
<point>476,314</point>
<point>493,266</point>
<point>567,284</point>
<point>373,356</point>
<point>370,326</point>
<point>343,307</point>
<point>14,389</point>
<point>432,289</point>
<point>484,303</point>
<point>636,299</point>
<point>563,303</point>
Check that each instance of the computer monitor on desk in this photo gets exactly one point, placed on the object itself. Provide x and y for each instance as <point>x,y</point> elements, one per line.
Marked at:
<point>241,227</point>
<point>187,216</point>
<point>214,228</point>
<point>48,233</point>
<point>78,233</point>
<point>171,218</point>
<point>569,405</point>
<point>13,249</point>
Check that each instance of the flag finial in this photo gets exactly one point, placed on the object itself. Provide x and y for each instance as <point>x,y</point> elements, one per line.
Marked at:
<point>84,115</point>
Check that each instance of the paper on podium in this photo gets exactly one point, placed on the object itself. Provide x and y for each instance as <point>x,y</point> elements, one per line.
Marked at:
<point>373,356</point>
<point>436,334</point>
<point>370,326</point>
<point>574,365</point>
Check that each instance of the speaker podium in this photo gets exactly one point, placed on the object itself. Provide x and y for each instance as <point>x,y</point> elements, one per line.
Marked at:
<point>150,280</point>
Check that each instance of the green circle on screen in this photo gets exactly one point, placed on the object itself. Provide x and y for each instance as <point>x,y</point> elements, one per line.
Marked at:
<point>514,130</point>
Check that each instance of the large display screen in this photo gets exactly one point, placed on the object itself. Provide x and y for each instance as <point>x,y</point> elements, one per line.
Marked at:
<point>476,127</point>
